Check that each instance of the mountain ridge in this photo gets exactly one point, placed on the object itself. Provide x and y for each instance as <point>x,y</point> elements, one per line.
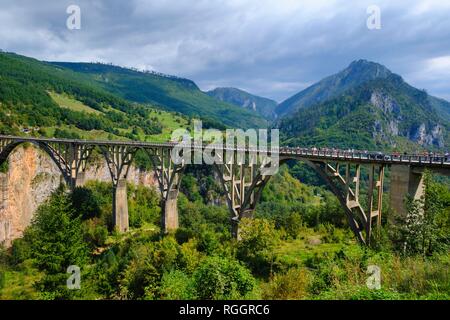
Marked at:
<point>384,113</point>
<point>167,92</point>
<point>359,71</point>
<point>261,105</point>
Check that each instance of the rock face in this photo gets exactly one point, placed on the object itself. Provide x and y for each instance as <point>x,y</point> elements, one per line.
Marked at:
<point>425,135</point>
<point>432,136</point>
<point>32,177</point>
<point>384,102</point>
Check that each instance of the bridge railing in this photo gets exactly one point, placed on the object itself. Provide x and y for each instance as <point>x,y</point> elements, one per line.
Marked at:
<point>433,159</point>
<point>370,156</point>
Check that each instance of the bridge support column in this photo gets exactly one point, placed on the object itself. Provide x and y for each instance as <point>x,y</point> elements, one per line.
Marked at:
<point>80,179</point>
<point>120,206</point>
<point>119,159</point>
<point>404,182</point>
<point>169,179</point>
<point>346,187</point>
<point>170,211</point>
<point>243,184</point>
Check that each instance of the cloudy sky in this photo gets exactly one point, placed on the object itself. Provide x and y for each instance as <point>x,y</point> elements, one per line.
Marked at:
<point>270,48</point>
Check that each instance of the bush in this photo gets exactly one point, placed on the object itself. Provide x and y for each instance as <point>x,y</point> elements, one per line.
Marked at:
<point>221,278</point>
<point>85,203</point>
<point>95,233</point>
<point>176,285</point>
<point>143,206</point>
<point>258,240</point>
<point>20,251</point>
<point>291,285</point>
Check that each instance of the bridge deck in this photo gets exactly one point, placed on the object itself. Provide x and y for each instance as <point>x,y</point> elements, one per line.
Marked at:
<point>434,161</point>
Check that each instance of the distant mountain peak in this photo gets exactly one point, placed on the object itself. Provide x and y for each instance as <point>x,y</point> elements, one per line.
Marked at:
<point>241,98</point>
<point>375,69</point>
<point>365,106</point>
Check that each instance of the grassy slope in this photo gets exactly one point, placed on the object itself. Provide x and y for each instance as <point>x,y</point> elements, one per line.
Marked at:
<point>169,121</point>
<point>170,93</point>
<point>65,101</point>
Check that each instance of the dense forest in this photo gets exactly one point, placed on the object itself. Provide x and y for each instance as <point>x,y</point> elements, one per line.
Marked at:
<point>297,247</point>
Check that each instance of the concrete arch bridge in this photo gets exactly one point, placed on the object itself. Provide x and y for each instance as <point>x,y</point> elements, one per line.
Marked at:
<point>243,175</point>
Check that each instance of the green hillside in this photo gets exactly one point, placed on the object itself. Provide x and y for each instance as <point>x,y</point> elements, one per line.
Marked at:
<point>167,92</point>
<point>43,100</point>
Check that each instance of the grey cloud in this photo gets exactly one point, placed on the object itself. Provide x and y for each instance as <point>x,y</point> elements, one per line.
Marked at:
<point>270,48</point>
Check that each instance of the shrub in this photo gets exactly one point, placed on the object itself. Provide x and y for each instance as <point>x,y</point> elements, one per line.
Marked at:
<point>95,233</point>
<point>221,278</point>
<point>258,240</point>
<point>176,285</point>
<point>143,206</point>
<point>85,203</point>
<point>291,285</point>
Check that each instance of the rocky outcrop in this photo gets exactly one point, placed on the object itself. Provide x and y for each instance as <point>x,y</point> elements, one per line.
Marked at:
<point>432,136</point>
<point>31,178</point>
<point>384,102</point>
<point>425,135</point>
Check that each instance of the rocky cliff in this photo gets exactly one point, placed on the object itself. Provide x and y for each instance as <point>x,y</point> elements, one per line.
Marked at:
<point>32,177</point>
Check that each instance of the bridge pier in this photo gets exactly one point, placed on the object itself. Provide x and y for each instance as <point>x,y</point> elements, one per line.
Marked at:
<point>170,211</point>
<point>80,179</point>
<point>169,179</point>
<point>120,206</point>
<point>119,159</point>
<point>243,185</point>
<point>404,182</point>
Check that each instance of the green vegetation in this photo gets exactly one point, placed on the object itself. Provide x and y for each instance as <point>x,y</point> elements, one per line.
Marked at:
<point>65,101</point>
<point>167,92</point>
<point>297,247</point>
<point>44,100</point>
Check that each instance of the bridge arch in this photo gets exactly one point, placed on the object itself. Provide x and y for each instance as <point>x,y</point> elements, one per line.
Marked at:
<point>243,185</point>
<point>340,189</point>
<point>9,148</point>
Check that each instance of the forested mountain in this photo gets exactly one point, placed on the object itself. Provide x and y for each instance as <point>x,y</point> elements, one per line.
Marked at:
<point>107,102</point>
<point>384,113</point>
<point>356,74</point>
<point>167,92</point>
<point>41,99</point>
<point>364,106</point>
<point>263,106</point>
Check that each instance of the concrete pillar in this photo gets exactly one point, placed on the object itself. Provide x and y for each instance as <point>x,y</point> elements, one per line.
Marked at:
<point>404,181</point>
<point>120,206</point>
<point>170,212</point>
<point>80,180</point>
